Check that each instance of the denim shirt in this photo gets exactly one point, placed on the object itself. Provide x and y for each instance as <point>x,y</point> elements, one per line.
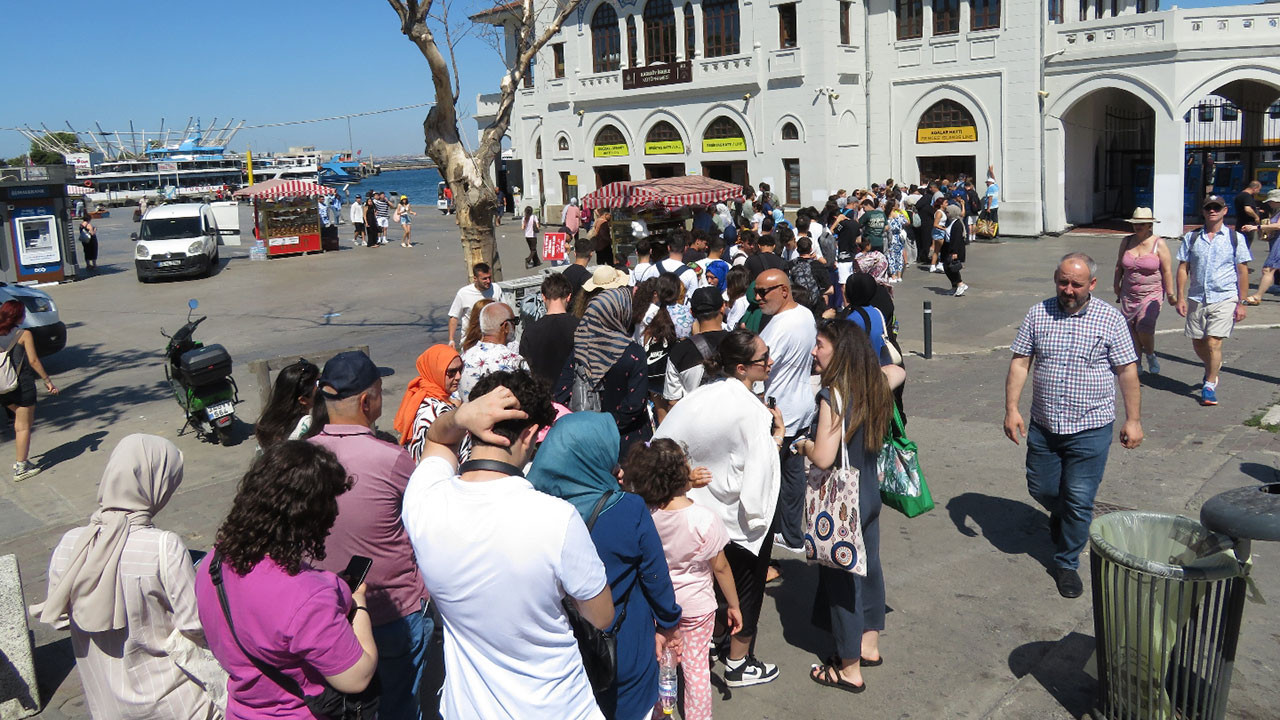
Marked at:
<point>1211,264</point>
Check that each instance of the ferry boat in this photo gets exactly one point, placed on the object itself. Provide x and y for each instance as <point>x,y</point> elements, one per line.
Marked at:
<point>307,163</point>
<point>186,168</point>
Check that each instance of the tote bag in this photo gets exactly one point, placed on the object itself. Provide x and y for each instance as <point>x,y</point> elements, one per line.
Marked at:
<point>902,483</point>
<point>832,524</point>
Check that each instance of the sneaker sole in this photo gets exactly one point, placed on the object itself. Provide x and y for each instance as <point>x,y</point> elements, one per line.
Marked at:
<point>753,681</point>
<point>19,477</point>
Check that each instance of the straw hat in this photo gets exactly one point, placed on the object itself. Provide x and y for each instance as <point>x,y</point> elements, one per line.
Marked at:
<point>606,278</point>
<point>1273,196</point>
<point>1142,215</point>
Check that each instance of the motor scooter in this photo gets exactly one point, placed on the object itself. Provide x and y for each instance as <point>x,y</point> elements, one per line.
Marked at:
<point>200,377</point>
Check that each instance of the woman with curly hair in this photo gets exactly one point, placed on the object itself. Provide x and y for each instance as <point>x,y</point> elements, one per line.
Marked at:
<point>285,614</point>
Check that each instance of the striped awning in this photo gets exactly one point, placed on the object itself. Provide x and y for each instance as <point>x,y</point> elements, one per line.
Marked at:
<point>279,187</point>
<point>669,193</point>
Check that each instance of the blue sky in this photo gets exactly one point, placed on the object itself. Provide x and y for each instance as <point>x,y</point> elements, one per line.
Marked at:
<point>264,61</point>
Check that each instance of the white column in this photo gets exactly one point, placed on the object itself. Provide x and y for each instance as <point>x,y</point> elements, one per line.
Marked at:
<point>1168,181</point>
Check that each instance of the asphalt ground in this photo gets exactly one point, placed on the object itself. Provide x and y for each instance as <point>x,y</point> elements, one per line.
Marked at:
<point>975,628</point>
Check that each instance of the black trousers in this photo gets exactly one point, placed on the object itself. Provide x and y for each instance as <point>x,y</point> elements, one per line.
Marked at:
<point>749,574</point>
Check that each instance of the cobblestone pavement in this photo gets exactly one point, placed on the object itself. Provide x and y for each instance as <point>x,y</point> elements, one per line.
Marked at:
<point>976,628</point>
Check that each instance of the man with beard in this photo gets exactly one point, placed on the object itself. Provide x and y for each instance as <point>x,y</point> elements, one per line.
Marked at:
<point>1079,346</point>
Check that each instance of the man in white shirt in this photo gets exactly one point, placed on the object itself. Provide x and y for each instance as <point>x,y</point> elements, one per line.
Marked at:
<point>469,295</point>
<point>674,264</point>
<point>790,335</point>
<point>357,220</point>
<point>498,556</point>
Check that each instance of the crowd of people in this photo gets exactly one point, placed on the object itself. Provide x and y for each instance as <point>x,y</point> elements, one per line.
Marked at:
<point>631,461</point>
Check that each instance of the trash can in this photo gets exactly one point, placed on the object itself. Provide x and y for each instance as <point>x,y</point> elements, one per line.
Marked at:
<point>1167,601</point>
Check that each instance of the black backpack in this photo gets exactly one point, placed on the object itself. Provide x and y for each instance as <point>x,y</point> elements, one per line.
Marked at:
<point>675,273</point>
<point>800,272</point>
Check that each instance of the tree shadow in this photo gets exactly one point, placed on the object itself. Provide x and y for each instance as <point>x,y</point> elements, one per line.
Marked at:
<point>1012,527</point>
<point>72,449</point>
<point>95,400</point>
<point>1062,668</point>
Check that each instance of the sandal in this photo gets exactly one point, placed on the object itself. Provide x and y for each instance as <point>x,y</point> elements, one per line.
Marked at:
<point>829,676</point>
<point>863,662</point>
<point>1253,300</point>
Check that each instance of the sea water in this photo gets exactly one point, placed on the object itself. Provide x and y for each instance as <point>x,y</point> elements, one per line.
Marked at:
<point>419,185</point>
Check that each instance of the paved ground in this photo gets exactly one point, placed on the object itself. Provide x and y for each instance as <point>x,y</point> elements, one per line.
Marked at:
<point>976,628</point>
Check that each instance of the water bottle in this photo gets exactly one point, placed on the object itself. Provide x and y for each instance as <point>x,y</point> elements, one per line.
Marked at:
<point>667,682</point>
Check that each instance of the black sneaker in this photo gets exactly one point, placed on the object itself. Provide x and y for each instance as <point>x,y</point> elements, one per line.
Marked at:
<point>750,672</point>
<point>1069,585</point>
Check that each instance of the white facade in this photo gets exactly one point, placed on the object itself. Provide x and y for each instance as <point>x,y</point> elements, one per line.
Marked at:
<point>1043,98</point>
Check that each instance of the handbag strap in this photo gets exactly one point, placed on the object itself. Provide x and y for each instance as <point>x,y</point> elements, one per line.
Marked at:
<point>591,523</point>
<point>844,446</point>
<point>286,683</point>
<point>490,465</point>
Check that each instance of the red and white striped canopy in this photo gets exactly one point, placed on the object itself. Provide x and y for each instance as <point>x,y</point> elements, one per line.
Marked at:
<point>279,187</point>
<point>670,193</point>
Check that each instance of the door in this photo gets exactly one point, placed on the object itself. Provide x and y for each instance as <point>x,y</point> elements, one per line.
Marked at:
<point>733,172</point>
<point>606,174</point>
<point>948,167</point>
<point>566,192</point>
<point>663,170</point>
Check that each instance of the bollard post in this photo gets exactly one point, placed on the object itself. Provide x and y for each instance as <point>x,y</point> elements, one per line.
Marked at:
<point>928,329</point>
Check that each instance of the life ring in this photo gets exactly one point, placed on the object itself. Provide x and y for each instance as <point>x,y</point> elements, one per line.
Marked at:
<point>88,183</point>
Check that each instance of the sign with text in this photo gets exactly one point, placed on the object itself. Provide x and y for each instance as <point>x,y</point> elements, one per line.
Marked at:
<point>710,145</point>
<point>615,150</point>
<point>962,133</point>
<point>653,75</point>
<point>166,167</point>
<point>664,147</point>
<point>571,180</point>
<point>553,245</point>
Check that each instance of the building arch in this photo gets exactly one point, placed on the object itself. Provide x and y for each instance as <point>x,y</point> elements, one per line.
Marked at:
<point>564,145</point>
<point>1212,82</point>
<point>932,155</point>
<point>609,119</point>
<point>1117,81</point>
<point>780,129</point>
<point>724,109</point>
<point>660,116</point>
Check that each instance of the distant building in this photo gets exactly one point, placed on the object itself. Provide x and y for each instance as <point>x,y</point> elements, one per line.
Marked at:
<point>1078,107</point>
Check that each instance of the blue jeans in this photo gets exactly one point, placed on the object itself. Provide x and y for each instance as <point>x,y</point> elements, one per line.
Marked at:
<point>789,517</point>
<point>1063,475</point>
<point>402,653</point>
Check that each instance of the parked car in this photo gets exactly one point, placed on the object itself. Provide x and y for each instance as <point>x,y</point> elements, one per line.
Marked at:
<point>178,239</point>
<point>49,332</point>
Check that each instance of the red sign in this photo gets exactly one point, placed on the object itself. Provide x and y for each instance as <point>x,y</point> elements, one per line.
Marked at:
<point>553,245</point>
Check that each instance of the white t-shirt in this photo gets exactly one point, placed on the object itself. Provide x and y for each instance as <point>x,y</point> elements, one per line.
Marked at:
<point>357,213</point>
<point>643,271</point>
<point>468,296</point>
<point>497,557</point>
<point>687,276</point>
<point>791,335</point>
<point>736,312</point>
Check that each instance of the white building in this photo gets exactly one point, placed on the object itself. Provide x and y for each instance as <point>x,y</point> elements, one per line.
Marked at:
<point>1080,110</point>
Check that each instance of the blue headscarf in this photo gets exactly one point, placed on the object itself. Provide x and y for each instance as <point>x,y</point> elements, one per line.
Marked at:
<point>779,219</point>
<point>575,462</point>
<point>719,269</point>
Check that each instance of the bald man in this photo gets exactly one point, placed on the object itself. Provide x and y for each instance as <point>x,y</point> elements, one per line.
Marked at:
<point>1080,347</point>
<point>790,336</point>
<point>492,353</point>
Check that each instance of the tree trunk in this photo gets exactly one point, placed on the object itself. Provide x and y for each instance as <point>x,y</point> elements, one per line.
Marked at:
<point>474,198</point>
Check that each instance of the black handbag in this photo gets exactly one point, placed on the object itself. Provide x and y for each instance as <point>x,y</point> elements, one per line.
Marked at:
<point>331,703</point>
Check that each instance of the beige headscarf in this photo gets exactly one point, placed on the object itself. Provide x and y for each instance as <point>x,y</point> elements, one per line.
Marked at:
<point>141,476</point>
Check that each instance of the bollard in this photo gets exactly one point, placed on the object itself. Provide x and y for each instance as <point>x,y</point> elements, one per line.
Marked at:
<point>928,329</point>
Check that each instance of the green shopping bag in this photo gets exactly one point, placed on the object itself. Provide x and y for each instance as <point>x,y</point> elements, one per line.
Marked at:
<point>902,483</point>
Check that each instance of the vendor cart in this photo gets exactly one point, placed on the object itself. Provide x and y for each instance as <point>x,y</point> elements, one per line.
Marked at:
<point>657,206</point>
<point>286,215</point>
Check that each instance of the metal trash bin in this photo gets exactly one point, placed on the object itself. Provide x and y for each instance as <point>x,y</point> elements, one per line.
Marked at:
<point>1167,603</point>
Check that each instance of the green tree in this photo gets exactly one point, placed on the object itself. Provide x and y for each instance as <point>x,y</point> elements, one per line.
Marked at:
<point>41,156</point>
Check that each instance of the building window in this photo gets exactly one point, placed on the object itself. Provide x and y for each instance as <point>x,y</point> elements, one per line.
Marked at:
<point>659,32</point>
<point>723,135</point>
<point>791,180</point>
<point>1273,112</point>
<point>690,38</point>
<point>605,43</point>
<point>562,144</point>
<point>1206,113</point>
<point>787,25</point>
<point>946,113</point>
<point>720,27</point>
<point>1055,11</point>
<point>1230,113</point>
<point>610,143</point>
<point>528,71</point>
<point>946,17</point>
<point>910,19</point>
<point>1084,10</point>
<point>984,14</point>
<point>790,132</point>
<point>631,41</point>
<point>723,127</point>
<point>845,5</point>
<point>1115,8</point>
<point>537,149</point>
<point>663,139</point>
<point>557,56</point>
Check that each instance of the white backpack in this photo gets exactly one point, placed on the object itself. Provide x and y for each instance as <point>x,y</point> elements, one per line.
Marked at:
<point>8,371</point>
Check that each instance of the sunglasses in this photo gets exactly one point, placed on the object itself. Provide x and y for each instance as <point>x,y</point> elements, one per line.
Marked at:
<point>764,292</point>
<point>762,360</point>
<point>1214,208</point>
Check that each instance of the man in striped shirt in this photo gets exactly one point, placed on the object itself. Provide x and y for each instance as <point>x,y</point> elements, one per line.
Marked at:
<point>1079,348</point>
<point>384,214</point>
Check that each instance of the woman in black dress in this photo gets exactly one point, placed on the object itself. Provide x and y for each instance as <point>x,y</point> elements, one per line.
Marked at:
<point>89,239</point>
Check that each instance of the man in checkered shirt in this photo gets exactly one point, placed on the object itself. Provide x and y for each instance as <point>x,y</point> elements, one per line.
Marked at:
<point>1079,347</point>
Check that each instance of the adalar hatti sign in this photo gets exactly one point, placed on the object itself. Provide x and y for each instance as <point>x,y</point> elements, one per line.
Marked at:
<point>710,145</point>
<point>651,75</point>
<point>615,150</point>
<point>962,133</point>
<point>664,147</point>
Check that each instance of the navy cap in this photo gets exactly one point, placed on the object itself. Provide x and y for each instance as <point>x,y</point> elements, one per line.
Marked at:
<point>705,300</point>
<point>1214,200</point>
<point>347,374</point>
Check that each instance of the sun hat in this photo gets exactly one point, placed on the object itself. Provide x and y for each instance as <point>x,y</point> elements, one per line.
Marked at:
<point>605,277</point>
<point>1142,215</point>
<point>1273,196</point>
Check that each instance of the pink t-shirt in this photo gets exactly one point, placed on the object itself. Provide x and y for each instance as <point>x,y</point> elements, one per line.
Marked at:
<point>691,538</point>
<point>295,623</point>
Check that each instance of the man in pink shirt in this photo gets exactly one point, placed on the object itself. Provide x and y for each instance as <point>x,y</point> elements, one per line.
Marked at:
<point>369,524</point>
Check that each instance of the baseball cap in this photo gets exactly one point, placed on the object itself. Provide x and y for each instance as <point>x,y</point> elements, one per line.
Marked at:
<point>1214,200</point>
<point>347,374</point>
<point>705,300</point>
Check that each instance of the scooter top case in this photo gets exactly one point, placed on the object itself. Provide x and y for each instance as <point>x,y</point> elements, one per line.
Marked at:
<point>204,365</point>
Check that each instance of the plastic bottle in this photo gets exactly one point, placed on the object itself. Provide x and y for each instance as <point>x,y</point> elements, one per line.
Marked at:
<point>667,686</point>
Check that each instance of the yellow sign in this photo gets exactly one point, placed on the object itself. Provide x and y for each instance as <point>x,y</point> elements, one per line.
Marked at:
<point>963,133</point>
<point>664,147</point>
<point>571,180</point>
<point>618,150</point>
<point>737,144</point>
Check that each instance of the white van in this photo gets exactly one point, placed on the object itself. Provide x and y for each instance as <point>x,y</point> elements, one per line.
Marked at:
<point>178,239</point>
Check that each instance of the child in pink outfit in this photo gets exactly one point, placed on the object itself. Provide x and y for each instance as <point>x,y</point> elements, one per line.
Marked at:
<point>693,539</point>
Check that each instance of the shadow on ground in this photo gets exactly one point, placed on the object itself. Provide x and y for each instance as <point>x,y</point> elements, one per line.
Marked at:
<point>1012,527</point>
<point>1061,667</point>
<point>54,662</point>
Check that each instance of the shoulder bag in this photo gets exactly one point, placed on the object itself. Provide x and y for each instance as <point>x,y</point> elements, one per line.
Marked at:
<point>902,484</point>
<point>832,523</point>
<point>331,704</point>
<point>9,377</point>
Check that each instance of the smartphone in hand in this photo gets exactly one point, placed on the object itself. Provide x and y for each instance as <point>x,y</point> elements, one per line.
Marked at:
<point>356,570</point>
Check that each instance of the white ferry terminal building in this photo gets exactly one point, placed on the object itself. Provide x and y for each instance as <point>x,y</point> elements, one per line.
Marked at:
<point>1085,108</point>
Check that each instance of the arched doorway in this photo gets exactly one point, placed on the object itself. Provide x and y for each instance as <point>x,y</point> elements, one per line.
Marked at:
<point>1109,158</point>
<point>610,143</point>
<point>663,151</point>
<point>946,138</point>
<point>1231,137</point>
<point>724,135</point>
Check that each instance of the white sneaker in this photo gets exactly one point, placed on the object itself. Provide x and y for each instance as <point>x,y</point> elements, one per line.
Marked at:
<point>936,268</point>
<point>960,289</point>
<point>750,671</point>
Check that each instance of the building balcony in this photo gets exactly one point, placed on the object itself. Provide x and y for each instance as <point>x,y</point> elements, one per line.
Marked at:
<point>487,107</point>
<point>784,64</point>
<point>1234,27</point>
<point>726,70</point>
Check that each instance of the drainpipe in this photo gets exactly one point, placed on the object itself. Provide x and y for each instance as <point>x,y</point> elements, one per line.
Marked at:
<point>1044,204</point>
<point>866,93</point>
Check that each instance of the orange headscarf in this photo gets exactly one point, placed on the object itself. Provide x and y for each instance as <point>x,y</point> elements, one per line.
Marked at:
<point>429,384</point>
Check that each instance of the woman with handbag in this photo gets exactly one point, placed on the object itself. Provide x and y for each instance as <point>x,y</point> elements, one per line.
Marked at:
<point>21,365</point>
<point>855,407</point>
<point>296,641</point>
<point>578,462</point>
<point>89,239</point>
<point>126,588</point>
<point>531,228</point>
